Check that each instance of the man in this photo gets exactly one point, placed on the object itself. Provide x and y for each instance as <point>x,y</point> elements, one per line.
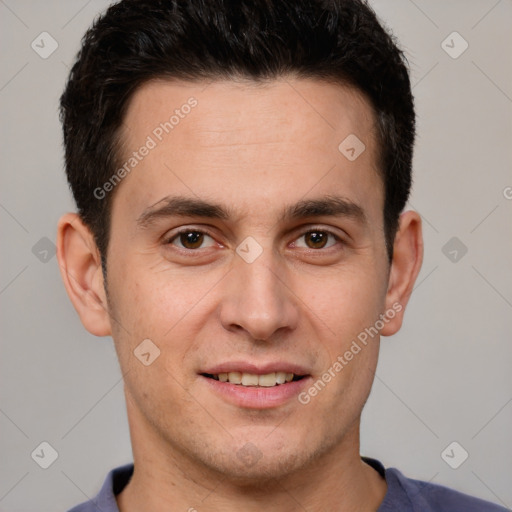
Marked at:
<point>240,173</point>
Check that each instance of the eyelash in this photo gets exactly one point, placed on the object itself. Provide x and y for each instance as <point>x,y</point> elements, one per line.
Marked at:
<point>176,235</point>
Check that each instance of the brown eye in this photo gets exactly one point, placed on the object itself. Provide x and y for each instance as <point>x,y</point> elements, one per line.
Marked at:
<point>317,239</point>
<point>189,239</point>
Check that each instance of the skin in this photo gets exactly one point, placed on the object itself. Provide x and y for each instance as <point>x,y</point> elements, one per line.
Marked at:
<point>254,149</point>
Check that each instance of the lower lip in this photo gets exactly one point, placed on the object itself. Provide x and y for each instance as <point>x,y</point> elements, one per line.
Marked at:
<point>257,397</point>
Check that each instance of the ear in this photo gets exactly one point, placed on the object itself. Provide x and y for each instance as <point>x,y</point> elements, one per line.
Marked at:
<point>80,267</point>
<point>405,267</point>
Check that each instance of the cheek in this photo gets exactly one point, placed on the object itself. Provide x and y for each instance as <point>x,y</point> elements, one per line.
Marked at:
<point>152,301</point>
<point>343,310</point>
<point>153,328</point>
<point>346,301</point>
<point>167,307</point>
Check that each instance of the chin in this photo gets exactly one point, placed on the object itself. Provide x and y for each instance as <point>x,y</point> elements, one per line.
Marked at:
<point>259,464</point>
<point>261,473</point>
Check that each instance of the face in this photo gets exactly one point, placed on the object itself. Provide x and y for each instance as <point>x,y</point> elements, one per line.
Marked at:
<point>274,266</point>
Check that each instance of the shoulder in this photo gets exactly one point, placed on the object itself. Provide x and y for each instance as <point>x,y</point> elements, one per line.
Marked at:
<point>105,500</point>
<point>428,497</point>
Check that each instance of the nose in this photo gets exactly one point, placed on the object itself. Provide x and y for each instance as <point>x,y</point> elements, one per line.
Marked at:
<point>259,299</point>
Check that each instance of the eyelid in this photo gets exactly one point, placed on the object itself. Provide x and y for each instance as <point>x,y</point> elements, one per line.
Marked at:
<point>168,239</point>
<point>339,238</point>
<point>325,229</point>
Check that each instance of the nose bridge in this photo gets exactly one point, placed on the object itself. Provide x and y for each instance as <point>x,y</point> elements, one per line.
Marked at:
<point>258,299</point>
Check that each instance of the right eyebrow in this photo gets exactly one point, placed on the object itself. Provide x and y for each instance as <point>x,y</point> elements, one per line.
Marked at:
<point>328,206</point>
<point>182,207</point>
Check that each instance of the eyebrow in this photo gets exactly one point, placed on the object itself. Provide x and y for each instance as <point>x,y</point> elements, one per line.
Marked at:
<point>180,206</point>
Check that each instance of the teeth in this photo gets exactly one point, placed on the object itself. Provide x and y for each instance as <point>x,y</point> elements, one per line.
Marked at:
<point>281,377</point>
<point>235,377</point>
<point>267,380</point>
<point>249,379</point>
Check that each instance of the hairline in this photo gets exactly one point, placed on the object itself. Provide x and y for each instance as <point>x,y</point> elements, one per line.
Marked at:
<point>119,138</point>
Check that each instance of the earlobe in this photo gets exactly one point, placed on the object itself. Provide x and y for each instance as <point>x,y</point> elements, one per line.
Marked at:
<point>405,267</point>
<point>80,267</point>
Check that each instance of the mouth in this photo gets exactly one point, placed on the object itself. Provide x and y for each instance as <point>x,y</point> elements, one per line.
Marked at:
<point>267,380</point>
<point>251,386</point>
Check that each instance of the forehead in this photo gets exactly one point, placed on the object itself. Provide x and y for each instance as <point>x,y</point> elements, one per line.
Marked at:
<point>245,108</point>
<point>266,140</point>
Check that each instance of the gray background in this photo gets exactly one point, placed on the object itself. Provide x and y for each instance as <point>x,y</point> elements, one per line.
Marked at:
<point>445,377</point>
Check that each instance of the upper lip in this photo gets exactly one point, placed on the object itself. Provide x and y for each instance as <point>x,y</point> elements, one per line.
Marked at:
<point>255,368</point>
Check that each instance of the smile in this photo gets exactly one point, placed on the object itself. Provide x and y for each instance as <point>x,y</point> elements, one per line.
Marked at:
<point>251,386</point>
<point>267,380</point>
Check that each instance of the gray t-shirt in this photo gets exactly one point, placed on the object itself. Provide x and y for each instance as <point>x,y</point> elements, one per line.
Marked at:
<point>403,494</point>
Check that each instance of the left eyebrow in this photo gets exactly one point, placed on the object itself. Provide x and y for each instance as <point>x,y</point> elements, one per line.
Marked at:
<point>172,206</point>
<point>328,206</point>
